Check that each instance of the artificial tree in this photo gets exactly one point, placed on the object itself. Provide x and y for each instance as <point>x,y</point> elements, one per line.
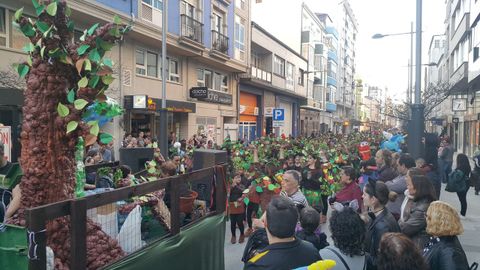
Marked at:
<point>65,82</point>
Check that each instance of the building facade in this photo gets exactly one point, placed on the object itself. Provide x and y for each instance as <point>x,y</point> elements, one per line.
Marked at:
<point>207,45</point>
<point>275,79</point>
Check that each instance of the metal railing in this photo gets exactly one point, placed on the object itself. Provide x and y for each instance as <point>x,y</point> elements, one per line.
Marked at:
<point>219,42</point>
<point>191,28</point>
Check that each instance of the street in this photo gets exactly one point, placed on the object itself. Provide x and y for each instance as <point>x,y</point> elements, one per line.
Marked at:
<point>470,239</point>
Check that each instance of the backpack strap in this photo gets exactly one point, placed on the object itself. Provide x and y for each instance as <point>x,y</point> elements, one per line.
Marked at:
<point>340,257</point>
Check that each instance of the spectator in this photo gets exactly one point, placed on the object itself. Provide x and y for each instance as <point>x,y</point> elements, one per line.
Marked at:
<point>399,184</point>
<point>408,200</point>
<point>397,252</point>
<point>475,176</point>
<point>383,159</point>
<point>431,161</point>
<point>463,167</point>
<point>350,190</point>
<point>140,140</point>
<point>414,224</point>
<point>311,186</point>
<point>444,251</point>
<point>133,143</point>
<point>283,250</point>
<point>446,156</point>
<point>105,153</point>
<point>375,197</point>
<point>419,163</point>
<point>290,188</point>
<point>348,234</point>
<point>310,220</point>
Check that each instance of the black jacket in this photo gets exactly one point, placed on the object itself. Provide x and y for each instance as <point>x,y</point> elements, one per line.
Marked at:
<point>383,223</point>
<point>445,253</point>
<point>284,256</point>
<point>386,174</point>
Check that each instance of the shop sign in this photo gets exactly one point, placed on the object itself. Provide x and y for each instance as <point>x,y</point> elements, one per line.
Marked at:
<point>152,105</point>
<point>455,120</point>
<point>6,139</point>
<point>269,111</point>
<point>255,111</point>
<point>278,123</point>
<point>140,102</point>
<point>218,97</point>
<point>200,92</point>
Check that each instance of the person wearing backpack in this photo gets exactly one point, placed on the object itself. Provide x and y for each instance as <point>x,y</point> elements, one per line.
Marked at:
<point>459,181</point>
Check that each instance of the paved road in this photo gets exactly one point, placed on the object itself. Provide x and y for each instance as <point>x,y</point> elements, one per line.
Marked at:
<point>470,239</point>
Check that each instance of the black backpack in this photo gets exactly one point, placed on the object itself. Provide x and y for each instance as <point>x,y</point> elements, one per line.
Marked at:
<point>256,242</point>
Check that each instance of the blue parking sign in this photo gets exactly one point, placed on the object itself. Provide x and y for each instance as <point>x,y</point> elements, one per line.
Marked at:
<point>278,114</point>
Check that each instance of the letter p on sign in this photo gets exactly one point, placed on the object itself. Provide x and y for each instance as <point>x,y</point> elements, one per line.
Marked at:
<point>279,114</point>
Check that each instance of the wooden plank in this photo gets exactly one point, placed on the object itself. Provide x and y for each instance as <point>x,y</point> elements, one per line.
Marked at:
<point>175,207</point>
<point>36,238</point>
<point>78,234</point>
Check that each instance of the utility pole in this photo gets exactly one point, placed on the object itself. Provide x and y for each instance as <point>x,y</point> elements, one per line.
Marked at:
<point>162,132</point>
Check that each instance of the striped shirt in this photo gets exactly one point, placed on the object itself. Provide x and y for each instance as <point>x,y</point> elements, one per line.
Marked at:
<point>297,198</point>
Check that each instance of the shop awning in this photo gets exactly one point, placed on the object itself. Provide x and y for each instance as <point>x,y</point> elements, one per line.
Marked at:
<point>311,108</point>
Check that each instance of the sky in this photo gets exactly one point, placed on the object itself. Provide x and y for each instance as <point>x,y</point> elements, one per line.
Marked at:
<point>384,62</point>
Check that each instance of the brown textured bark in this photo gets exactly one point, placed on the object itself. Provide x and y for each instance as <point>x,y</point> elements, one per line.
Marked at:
<point>47,156</point>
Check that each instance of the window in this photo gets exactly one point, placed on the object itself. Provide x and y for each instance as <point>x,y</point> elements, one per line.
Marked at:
<point>152,64</point>
<point>151,10</point>
<point>192,8</point>
<point>301,77</point>
<point>217,22</point>
<point>240,4</point>
<point>290,81</point>
<point>154,3</point>
<point>3,28</point>
<point>279,66</point>
<point>239,53</point>
<point>212,80</point>
<point>174,72</point>
<point>140,62</point>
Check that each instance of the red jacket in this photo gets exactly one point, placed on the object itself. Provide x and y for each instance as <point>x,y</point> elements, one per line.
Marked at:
<point>349,193</point>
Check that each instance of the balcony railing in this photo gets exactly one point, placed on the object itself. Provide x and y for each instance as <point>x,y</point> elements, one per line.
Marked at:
<point>219,42</point>
<point>256,73</point>
<point>191,28</point>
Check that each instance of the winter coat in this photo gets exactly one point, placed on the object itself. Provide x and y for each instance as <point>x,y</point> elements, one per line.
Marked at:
<point>445,253</point>
<point>383,223</point>
<point>397,185</point>
<point>414,223</point>
<point>386,174</point>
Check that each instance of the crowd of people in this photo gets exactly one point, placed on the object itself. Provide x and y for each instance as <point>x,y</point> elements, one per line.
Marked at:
<point>385,207</point>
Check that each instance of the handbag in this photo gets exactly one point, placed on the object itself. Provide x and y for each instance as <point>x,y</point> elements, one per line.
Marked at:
<point>236,208</point>
<point>456,182</point>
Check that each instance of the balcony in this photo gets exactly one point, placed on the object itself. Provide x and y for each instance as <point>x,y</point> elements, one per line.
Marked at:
<point>258,74</point>
<point>459,80</point>
<point>331,107</point>
<point>191,32</point>
<point>331,81</point>
<point>333,56</point>
<point>219,45</point>
<point>459,34</point>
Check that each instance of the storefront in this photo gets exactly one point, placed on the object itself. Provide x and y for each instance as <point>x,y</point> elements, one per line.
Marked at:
<point>249,127</point>
<point>143,114</point>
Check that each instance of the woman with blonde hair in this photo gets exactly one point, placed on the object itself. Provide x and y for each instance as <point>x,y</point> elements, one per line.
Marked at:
<point>444,251</point>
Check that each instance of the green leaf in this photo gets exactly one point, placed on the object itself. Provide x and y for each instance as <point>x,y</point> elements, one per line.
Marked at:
<point>35,3</point>
<point>53,52</point>
<point>71,96</point>
<point>22,70</point>
<point>42,26</point>
<point>94,55</point>
<point>271,187</point>
<point>108,62</point>
<point>106,46</point>
<point>29,61</point>
<point>80,103</point>
<point>259,189</point>
<point>246,200</point>
<point>39,10</point>
<point>95,129</point>
<point>29,47</point>
<point>88,65</point>
<point>151,170</point>
<point>42,51</point>
<point>62,110</point>
<point>52,9</point>
<point>105,138</point>
<point>107,80</point>
<point>94,81</point>
<point>71,126</point>
<point>27,30</point>
<point>71,26</point>
<point>68,11</point>
<point>47,33</point>
<point>18,14</point>
<point>83,82</point>
<point>82,38</point>
<point>82,49</point>
<point>92,29</point>
<point>117,20</point>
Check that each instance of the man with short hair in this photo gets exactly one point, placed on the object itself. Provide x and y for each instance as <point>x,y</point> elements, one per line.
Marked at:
<point>399,184</point>
<point>284,250</point>
<point>5,165</point>
<point>290,188</point>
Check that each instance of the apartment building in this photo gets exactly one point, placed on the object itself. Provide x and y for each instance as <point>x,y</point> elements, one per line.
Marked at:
<point>207,46</point>
<point>276,79</point>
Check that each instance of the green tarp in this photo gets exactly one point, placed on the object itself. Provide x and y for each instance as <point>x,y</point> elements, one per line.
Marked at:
<point>200,247</point>
<point>13,248</point>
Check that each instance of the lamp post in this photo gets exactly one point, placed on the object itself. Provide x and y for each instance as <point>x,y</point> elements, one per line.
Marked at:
<point>162,131</point>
